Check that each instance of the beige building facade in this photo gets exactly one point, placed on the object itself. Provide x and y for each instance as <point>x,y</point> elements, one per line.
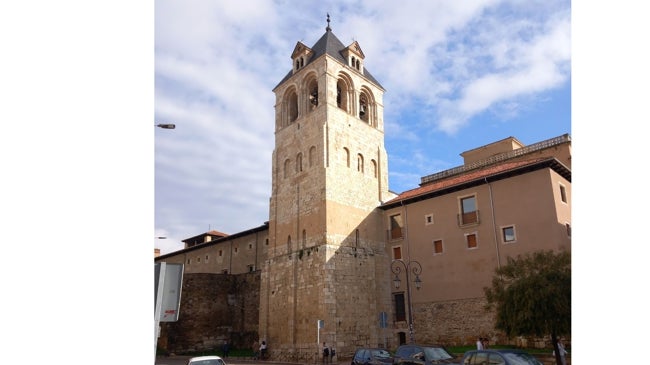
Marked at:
<point>336,233</point>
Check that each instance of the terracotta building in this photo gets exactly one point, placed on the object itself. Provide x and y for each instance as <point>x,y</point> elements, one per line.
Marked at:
<point>337,241</point>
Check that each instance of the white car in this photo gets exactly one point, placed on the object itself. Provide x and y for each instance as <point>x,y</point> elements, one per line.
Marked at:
<point>206,360</point>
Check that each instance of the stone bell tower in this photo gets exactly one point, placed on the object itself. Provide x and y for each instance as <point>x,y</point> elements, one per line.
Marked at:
<point>326,258</point>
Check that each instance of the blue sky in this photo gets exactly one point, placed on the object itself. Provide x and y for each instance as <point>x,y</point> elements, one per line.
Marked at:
<point>457,74</point>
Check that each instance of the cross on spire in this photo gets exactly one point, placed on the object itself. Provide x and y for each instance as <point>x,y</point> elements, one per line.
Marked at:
<point>328,23</point>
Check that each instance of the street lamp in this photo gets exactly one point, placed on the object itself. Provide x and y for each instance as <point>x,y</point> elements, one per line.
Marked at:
<point>166,126</point>
<point>415,268</point>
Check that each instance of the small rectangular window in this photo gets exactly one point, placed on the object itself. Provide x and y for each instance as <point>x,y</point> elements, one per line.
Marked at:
<point>236,249</point>
<point>251,268</point>
<point>206,258</point>
<point>472,241</point>
<point>220,253</point>
<point>396,226</point>
<point>397,253</point>
<point>400,307</point>
<point>563,193</point>
<point>508,234</point>
<point>568,229</point>
<point>428,219</point>
<point>437,247</point>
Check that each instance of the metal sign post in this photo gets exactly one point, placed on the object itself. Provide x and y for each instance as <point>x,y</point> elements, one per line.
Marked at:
<point>383,323</point>
<point>319,324</point>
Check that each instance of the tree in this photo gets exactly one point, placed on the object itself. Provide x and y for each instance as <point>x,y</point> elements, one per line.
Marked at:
<point>532,296</point>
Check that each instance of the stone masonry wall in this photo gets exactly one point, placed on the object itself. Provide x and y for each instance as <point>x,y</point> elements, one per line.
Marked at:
<point>207,318</point>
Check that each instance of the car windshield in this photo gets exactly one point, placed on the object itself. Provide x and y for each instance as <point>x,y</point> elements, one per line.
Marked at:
<point>382,354</point>
<point>521,358</point>
<point>208,362</point>
<point>437,353</point>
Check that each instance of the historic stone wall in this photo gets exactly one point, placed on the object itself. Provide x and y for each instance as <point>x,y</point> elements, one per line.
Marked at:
<point>214,308</point>
<point>455,322</point>
<point>460,322</point>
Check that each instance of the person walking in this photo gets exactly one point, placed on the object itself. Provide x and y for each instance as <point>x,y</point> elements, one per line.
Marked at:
<point>563,351</point>
<point>479,343</point>
<point>263,349</point>
<point>326,353</point>
<point>225,348</point>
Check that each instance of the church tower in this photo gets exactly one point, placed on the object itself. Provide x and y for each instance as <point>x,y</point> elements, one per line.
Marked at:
<point>326,257</point>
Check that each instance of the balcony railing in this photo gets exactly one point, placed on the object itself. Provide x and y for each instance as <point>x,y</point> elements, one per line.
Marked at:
<point>396,233</point>
<point>497,158</point>
<point>468,218</point>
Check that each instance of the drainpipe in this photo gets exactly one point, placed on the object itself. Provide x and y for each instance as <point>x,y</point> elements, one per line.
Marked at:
<point>406,240</point>
<point>494,225</point>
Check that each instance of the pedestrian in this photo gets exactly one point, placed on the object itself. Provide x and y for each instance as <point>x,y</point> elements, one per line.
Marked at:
<point>225,348</point>
<point>486,343</point>
<point>479,343</point>
<point>563,351</point>
<point>332,353</point>
<point>326,353</point>
<point>263,349</point>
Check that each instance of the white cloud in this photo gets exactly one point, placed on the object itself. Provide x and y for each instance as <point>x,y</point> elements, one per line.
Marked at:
<point>442,63</point>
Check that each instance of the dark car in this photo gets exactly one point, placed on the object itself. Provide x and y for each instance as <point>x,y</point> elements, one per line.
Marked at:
<point>412,354</point>
<point>499,357</point>
<point>372,356</point>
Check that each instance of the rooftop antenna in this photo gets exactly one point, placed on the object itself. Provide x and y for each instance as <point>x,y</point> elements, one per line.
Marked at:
<point>328,23</point>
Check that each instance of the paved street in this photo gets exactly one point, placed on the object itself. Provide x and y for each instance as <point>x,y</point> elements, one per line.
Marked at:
<point>182,360</point>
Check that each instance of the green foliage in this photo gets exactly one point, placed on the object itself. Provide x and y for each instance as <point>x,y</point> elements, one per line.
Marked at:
<point>532,295</point>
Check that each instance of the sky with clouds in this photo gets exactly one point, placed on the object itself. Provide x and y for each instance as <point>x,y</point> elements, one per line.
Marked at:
<point>457,74</point>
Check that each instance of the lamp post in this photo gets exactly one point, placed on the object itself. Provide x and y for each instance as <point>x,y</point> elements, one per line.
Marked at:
<point>410,266</point>
<point>166,126</point>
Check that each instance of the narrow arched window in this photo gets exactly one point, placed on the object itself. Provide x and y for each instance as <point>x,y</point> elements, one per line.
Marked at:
<point>287,164</point>
<point>342,90</point>
<point>299,162</point>
<point>347,156</point>
<point>293,107</point>
<point>313,94</point>
<point>304,238</point>
<point>374,168</point>
<point>360,163</point>
<point>363,107</point>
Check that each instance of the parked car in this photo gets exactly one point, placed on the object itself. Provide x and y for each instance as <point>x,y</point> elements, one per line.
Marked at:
<point>413,354</point>
<point>372,356</point>
<point>499,357</point>
<point>206,360</point>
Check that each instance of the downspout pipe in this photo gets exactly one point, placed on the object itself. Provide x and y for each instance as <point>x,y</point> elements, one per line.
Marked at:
<point>494,225</point>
